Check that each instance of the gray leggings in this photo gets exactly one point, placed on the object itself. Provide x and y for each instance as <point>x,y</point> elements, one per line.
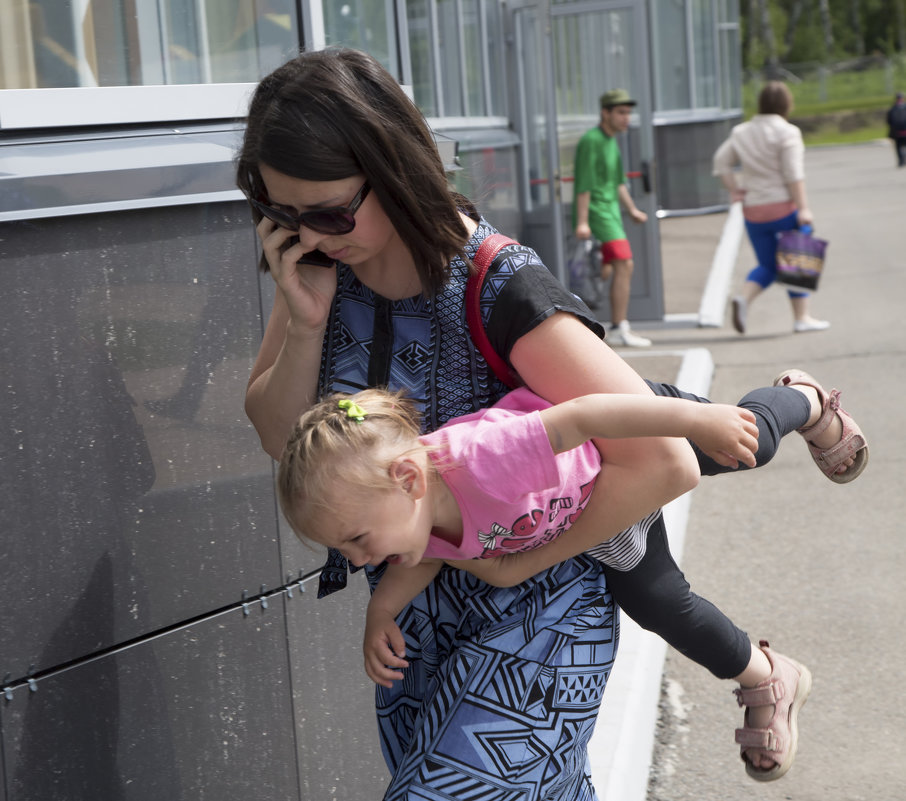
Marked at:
<point>655,593</point>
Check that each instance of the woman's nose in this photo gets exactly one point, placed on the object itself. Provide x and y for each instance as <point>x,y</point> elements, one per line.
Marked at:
<point>311,240</point>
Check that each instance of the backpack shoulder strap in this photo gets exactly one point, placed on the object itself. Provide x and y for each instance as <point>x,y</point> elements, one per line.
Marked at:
<point>484,258</point>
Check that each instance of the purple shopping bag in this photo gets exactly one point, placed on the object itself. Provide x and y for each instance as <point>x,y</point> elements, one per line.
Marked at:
<point>800,259</point>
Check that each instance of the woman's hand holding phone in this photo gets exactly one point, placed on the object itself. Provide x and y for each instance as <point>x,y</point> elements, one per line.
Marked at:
<point>307,281</point>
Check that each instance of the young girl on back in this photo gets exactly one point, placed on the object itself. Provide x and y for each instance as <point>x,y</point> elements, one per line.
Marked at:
<point>357,476</point>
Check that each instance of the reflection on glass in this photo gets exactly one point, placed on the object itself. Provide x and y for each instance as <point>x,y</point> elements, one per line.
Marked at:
<point>448,41</point>
<point>704,44</point>
<point>364,24</point>
<point>421,56</point>
<point>533,124</point>
<point>71,43</point>
<point>471,39</point>
<point>593,53</point>
<point>671,59</point>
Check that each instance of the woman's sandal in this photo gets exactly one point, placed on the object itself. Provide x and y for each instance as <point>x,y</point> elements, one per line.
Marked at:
<point>786,689</point>
<point>852,444</point>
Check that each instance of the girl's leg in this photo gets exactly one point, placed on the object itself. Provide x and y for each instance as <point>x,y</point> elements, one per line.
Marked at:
<point>777,410</point>
<point>657,596</point>
<point>503,687</point>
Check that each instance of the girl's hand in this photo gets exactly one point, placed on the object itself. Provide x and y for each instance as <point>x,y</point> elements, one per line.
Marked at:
<point>804,217</point>
<point>384,648</point>
<point>308,289</point>
<point>728,434</point>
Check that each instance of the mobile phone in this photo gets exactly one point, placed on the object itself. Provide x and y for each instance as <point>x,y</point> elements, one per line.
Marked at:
<point>315,257</point>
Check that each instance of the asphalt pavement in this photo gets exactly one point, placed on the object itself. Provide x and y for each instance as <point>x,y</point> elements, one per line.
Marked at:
<point>814,567</point>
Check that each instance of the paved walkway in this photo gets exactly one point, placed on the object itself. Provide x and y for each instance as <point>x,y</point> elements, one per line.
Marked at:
<point>815,567</point>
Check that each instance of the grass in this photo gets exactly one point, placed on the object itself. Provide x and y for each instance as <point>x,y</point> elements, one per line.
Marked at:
<point>831,135</point>
<point>864,91</point>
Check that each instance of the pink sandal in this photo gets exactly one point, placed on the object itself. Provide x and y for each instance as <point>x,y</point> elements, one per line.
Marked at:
<point>852,444</point>
<point>786,689</point>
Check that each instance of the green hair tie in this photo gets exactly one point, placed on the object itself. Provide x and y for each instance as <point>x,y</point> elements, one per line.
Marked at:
<point>353,410</point>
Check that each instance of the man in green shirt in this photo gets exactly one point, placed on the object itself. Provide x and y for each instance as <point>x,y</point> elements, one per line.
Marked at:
<point>600,191</point>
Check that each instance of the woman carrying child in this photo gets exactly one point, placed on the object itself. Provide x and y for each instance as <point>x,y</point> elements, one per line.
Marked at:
<point>338,162</point>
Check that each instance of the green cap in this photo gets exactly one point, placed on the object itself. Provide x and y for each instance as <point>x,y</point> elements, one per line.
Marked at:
<point>616,97</point>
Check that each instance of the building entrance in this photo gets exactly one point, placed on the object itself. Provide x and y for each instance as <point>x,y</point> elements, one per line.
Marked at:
<point>564,57</point>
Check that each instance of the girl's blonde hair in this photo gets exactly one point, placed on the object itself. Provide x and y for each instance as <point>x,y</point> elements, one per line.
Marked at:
<point>329,445</point>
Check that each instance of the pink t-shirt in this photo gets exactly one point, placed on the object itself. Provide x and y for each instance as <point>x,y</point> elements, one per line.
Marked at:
<point>514,492</point>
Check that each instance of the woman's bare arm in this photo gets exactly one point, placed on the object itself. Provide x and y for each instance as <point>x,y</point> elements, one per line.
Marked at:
<point>284,378</point>
<point>559,360</point>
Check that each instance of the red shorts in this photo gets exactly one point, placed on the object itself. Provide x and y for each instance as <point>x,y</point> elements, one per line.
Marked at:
<point>615,250</point>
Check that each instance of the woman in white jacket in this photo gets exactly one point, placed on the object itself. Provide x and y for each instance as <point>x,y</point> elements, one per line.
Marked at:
<point>769,150</point>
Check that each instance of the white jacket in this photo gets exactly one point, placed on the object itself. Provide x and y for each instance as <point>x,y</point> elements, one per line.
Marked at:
<point>770,151</point>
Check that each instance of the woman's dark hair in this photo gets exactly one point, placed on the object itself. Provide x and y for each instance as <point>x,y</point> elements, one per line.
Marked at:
<point>775,98</point>
<point>330,114</point>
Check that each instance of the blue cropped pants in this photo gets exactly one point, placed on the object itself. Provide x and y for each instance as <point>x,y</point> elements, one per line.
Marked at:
<point>763,237</point>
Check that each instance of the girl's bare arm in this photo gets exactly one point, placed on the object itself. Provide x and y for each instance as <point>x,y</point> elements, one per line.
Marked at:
<point>727,432</point>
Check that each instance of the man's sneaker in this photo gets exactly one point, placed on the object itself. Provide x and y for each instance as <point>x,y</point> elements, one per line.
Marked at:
<point>622,335</point>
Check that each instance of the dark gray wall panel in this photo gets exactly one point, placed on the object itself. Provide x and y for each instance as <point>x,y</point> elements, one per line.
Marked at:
<point>685,151</point>
<point>133,490</point>
<point>339,753</point>
<point>202,713</point>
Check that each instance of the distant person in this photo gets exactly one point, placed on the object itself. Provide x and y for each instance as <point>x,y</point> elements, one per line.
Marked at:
<point>600,187</point>
<point>896,128</point>
<point>770,151</point>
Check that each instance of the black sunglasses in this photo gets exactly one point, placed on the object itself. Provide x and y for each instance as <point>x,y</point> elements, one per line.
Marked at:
<point>331,221</point>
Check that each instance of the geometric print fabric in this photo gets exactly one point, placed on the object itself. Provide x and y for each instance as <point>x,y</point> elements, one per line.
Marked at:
<point>503,685</point>
<point>513,699</point>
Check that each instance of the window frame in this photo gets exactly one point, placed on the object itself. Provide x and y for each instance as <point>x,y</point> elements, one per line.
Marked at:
<point>122,105</point>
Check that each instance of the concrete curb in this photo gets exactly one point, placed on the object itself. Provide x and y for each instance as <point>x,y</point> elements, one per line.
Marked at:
<point>620,750</point>
<point>621,747</point>
<point>717,288</point>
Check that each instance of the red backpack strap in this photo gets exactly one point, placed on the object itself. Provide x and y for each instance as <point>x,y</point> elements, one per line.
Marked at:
<point>484,258</point>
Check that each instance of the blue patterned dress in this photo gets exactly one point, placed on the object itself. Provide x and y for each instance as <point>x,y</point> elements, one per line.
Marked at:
<point>503,685</point>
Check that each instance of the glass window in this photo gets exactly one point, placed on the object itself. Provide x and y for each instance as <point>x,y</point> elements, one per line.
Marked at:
<point>76,43</point>
<point>450,60</point>
<point>494,69</point>
<point>704,44</point>
<point>730,57</point>
<point>593,53</point>
<point>364,24</point>
<point>170,54</point>
<point>472,51</point>
<point>419,15</point>
<point>670,55</point>
<point>731,68</point>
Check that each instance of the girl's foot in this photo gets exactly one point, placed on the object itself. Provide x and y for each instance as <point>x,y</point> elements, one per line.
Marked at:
<point>834,440</point>
<point>770,733</point>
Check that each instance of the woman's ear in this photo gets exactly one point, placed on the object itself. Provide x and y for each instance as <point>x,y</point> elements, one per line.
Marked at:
<point>410,476</point>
